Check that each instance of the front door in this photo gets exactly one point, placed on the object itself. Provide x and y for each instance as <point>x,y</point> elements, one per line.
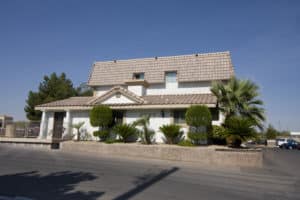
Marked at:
<point>58,125</point>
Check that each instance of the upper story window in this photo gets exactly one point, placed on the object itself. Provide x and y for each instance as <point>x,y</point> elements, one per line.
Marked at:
<point>171,77</point>
<point>138,76</point>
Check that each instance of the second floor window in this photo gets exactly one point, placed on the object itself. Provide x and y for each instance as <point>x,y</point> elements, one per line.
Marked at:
<point>171,77</point>
<point>138,76</point>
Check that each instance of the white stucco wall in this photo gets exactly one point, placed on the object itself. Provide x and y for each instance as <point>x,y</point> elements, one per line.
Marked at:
<point>160,89</point>
<point>116,100</point>
<point>181,88</point>
<point>156,120</point>
<point>139,90</point>
<point>82,116</point>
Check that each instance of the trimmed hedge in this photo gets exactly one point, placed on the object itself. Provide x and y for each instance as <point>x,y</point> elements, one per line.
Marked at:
<point>198,116</point>
<point>101,116</point>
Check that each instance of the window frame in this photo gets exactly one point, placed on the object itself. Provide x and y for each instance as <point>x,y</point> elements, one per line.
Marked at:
<point>169,72</point>
<point>134,75</point>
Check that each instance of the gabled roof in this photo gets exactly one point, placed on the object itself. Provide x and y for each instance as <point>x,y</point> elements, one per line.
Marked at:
<point>115,90</point>
<point>194,67</point>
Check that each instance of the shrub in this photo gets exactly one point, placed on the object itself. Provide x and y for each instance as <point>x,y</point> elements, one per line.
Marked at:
<point>146,134</point>
<point>126,132</point>
<point>198,137</point>
<point>199,119</point>
<point>78,127</point>
<point>101,116</point>
<point>198,116</point>
<point>186,143</point>
<point>147,137</point>
<point>271,133</point>
<point>172,133</point>
<point>239,130</point>
<point>102,134</point>
<point>219,134</point>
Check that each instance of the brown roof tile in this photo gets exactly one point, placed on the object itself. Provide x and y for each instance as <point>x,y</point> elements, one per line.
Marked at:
<point>195,67</point>
<point>148,100</point>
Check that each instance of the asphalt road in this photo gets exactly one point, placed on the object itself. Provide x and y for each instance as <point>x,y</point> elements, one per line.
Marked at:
<point>42,175</point>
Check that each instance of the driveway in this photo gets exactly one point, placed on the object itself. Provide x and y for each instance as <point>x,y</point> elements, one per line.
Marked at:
<point>39,174</point>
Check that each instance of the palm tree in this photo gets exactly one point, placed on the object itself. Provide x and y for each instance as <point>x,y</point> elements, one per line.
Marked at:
<point>239,98</point>
<point>147,134</point>
<point>78,127</point>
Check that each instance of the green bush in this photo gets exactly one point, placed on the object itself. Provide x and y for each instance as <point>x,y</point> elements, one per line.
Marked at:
<point>271,133</point>
<point>126,132</point>
<point>186,143</point>
<point>101,116</point>
<point>198,137</point>
<point>239,129</point>
<point>172,133</point>
<point>219,134</point>
<point>198,116</point>
<point>103,134</point>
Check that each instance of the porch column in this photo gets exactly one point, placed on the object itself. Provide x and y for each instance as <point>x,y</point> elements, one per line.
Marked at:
<point>43,126</point>
<point>68,122</point>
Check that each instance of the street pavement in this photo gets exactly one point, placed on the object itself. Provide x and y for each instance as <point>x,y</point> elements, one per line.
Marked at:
<point>34,173</point>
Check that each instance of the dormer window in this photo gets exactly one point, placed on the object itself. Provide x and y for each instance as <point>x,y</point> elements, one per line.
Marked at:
<point>171,77</point>
<point>138,76</point>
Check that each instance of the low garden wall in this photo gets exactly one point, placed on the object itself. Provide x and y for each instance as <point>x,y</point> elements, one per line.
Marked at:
<point>200,155</point>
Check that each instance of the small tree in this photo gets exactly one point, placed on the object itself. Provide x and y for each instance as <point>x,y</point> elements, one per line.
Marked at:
<point>102,117</point>
<point>77,127</point>
<point>146,133</point>
<point>172,133</point>
<point>199,119</point>
<point>239,129</point>
<point>271,132</point>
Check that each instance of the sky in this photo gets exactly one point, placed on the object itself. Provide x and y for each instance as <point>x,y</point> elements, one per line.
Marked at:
<point>41,37</point>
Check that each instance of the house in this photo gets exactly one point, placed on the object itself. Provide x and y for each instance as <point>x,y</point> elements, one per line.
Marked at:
<point>162,87</point>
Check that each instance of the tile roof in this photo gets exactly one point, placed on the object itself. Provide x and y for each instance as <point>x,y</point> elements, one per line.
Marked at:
<point>195,67</point>
<point>72,101</point>
<point>115,90</point>
<point>148,100</point>
<point>180,99</point>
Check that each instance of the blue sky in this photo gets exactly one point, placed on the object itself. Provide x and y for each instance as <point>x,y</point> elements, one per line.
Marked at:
<point>40,37</point>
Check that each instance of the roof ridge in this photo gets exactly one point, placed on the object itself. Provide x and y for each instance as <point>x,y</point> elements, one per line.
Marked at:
<point>156,57</point>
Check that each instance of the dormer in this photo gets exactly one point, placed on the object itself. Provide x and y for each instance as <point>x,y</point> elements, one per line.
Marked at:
<point>137,84</point>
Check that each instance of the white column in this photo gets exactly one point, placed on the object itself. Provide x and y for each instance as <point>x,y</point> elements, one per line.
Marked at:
<point>68,122</point>
<point>43,126</point>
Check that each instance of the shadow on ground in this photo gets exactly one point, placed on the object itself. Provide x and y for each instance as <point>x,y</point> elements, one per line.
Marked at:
<point>145,181</point>
<point>59,185</point>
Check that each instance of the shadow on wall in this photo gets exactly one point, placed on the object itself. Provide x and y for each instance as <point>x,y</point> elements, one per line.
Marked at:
<point>59,185</point>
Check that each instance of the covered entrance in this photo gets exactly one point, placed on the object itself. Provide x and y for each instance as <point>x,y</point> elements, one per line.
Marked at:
<point>58,125</point>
